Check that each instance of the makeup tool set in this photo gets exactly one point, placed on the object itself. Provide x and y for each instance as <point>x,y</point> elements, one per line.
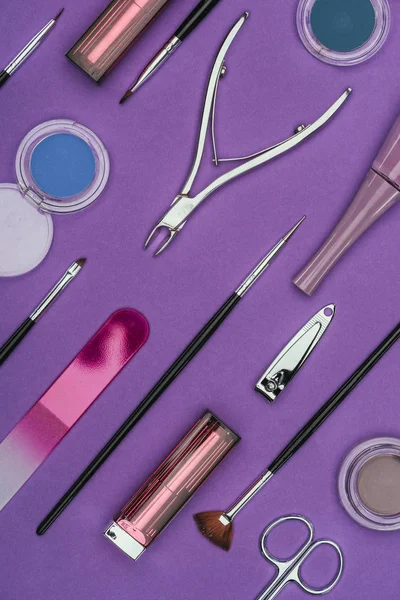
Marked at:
<point>62,167</point>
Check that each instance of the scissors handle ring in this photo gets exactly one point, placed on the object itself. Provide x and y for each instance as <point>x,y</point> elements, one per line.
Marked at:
<point>317,591</point>
<point>285,563</point>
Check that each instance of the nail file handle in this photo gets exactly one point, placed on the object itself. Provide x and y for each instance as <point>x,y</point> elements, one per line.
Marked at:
<point>15,339</point>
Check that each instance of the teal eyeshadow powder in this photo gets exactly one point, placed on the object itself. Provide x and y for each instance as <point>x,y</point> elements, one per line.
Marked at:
<point>63,165</point>
<point>342,25</point>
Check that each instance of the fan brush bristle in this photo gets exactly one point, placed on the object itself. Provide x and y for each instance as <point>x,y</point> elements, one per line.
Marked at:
<point>211,527</point>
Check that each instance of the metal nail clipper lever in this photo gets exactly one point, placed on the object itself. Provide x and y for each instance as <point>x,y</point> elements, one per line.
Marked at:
<point>183,204</point>
<point>295,353</point>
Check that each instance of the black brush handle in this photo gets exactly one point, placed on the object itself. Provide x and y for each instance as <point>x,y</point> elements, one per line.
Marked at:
<point>3,77</point>
<point>183,359</point>
<point>200,11</point>
<point>323,413</point>
<point>15,339</point>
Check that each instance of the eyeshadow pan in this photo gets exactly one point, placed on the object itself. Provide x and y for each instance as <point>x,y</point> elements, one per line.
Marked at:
<point>378,484</point>
<point>343,32</point>
<point>342,25</point>
<point>63,165</point>
<point>369,484</point>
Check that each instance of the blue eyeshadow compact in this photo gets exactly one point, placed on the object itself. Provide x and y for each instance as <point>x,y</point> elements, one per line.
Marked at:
<point>61,167</point>
<point>343,32</point>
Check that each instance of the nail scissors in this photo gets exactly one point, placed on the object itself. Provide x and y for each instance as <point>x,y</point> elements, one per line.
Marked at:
<point>289,570</point>
<point>183,204</point>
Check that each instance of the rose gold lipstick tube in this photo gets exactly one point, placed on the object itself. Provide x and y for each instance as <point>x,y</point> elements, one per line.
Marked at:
<point>111,35</point>
<point>171,485</point>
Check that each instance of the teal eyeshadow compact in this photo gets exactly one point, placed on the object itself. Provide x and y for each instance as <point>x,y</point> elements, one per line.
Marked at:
<point>343,32</point>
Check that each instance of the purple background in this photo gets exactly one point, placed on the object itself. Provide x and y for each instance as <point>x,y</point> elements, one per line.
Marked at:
<point>272,86</point>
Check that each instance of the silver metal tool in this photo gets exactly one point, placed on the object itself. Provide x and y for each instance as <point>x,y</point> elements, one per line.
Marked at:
<point>183,204</point>
<point>285,366</point>
<point>290,569</point>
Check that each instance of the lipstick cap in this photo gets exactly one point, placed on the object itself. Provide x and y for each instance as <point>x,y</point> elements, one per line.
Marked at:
<point>171,485</point>
<point>111,35</point>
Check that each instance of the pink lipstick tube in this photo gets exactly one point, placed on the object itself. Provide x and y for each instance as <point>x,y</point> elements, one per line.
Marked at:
<point>112,34</point>
<point>379,191</point>
<point>171,485</point>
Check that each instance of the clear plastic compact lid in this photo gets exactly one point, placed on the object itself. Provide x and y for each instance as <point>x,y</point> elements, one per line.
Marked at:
<point>61,167</point>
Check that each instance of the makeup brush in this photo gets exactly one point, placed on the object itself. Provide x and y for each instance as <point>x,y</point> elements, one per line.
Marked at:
<point>166,379</point>
<point>27,50</point>
<point>33,318</point>
<point>189,24</point>
<point>218,526</point>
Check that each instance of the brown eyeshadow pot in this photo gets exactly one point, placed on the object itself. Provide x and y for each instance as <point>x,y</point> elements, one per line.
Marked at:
<point>369,483</point>
<point>378,484</point>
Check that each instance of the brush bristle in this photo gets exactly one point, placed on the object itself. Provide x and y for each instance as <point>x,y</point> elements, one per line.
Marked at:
<point>125,97</point>
<point>211,527</point>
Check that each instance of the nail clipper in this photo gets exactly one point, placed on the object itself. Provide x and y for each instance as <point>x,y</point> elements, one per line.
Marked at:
<point>295,353</point>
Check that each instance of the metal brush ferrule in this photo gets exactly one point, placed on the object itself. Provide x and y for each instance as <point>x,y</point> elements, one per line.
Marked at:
<point>161,56</point>
<point>230,514</point>
<point>55,291</point>
<point>29,48</point>
<point>259,270</point>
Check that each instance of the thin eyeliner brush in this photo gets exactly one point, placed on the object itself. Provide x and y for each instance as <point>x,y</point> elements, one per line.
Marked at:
<point>21,57</point>
<point>16,338</point>
<point>218,526</point>
<point>180,363</point>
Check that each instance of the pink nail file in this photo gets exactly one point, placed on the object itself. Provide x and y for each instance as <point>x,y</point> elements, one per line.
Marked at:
<point>46,423</point>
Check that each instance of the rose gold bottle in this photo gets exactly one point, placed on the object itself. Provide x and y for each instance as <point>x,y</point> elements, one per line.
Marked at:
<point>111,35</point>
<point>171,485</point>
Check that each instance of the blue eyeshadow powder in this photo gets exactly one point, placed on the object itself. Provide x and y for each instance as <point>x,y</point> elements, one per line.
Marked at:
<point>342,25</point>
<point>63,165</point>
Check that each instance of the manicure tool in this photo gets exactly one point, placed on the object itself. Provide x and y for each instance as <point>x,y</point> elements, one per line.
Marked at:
<point>19,334</point>
<point>290,569</point>
<point>295,353</point>
<point>200,11</point>
<point>27,50</point>
<point>218,526</point>
<point>183,205</point>
<point>67,399</point>
<point>166,379</point>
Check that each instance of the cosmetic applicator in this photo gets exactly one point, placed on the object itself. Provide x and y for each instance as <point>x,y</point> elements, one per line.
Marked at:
<point>21,57</point>
<point>165,380</point>
<point>218,526</point>
<point>379,191</point>
<point>9,346</point>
